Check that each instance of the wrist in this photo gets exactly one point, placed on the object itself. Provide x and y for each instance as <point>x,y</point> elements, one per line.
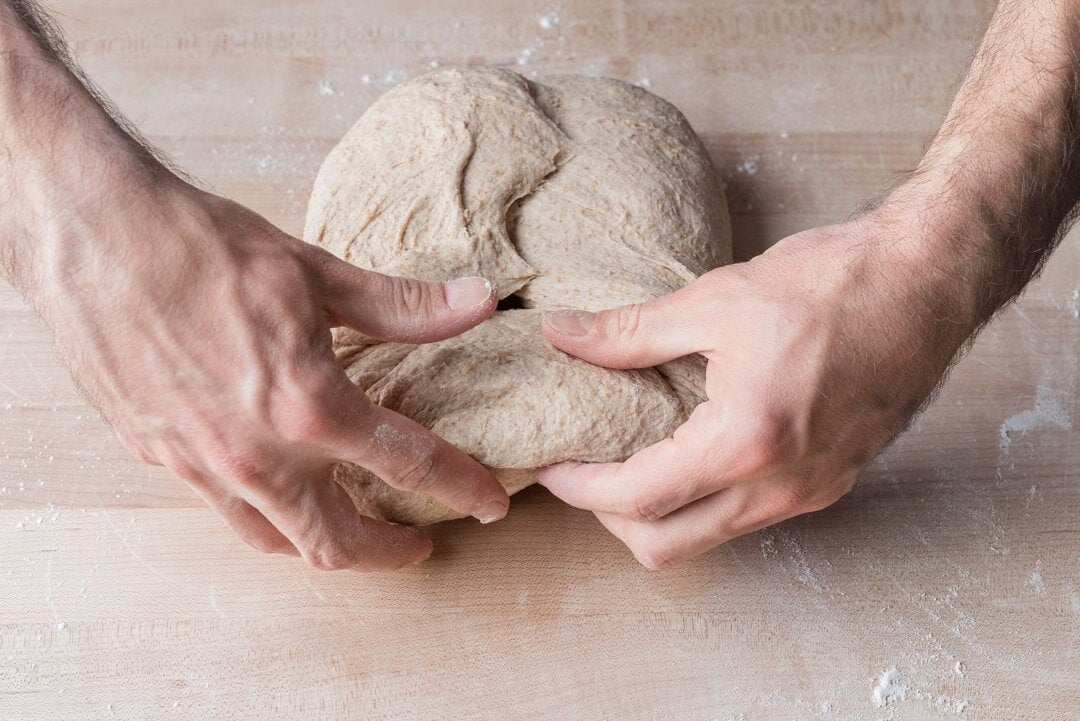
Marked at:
<point>68,166</point>
<point>942,240</point>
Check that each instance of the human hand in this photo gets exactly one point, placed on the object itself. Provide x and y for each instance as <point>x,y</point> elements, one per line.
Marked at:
<point>203,335</point>
<point>818,352</point>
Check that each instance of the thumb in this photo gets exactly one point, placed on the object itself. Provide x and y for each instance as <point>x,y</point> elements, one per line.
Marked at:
<point>390,308</point>
<point>631,336</point>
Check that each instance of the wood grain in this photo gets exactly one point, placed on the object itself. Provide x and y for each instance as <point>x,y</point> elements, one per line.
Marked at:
<point>953,561</point>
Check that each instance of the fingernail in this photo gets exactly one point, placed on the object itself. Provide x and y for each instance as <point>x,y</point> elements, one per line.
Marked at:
<point>570,322</point>
<point>427,553</point>
<point>492,514</point>
<point>465,293</point>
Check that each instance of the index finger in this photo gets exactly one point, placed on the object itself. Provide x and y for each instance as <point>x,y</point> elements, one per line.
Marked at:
<point>408,456</point>
<point>653,482</point>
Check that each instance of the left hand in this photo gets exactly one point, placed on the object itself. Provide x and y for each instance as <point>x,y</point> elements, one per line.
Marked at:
<point>819,352</point>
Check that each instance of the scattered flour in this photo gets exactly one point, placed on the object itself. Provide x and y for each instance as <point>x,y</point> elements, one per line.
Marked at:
<point>954,705</point>
<point>748,166</point>
<point>549,21</point>
<point>327,88</point>
<point>1050,409</point>
<point>1073,303</point>
<point>1032,494</point>
<point>550,42</point>
<point>1035,581</point>
<point>889,689</point>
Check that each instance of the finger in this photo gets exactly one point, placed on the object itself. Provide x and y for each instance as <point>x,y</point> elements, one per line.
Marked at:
<point>402,309</point>
<point>323,523</point>
<point>688,532</point>
<point>632,336</point>
<point>244,519</point>
<point>717,519</point>
<point>250,525</point>
<point>409,457</point>
<point>253,527</point>
<point>647,486</point>
<point>656,480</point>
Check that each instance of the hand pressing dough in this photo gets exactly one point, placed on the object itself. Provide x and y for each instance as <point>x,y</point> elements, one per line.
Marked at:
<point>568,192</point>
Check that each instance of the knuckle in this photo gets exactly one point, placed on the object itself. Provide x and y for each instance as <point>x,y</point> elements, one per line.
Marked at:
<point>653,551</point>
<point>329,555</point>
<point>649,507</point>
<point>654,557</point>
<point>772,444</point>
<point>305,420</point>
<point>262,542</point>
<point>624,322</point>
<point>412,296</point>
<point>243,469</point>
<point>419,475</point>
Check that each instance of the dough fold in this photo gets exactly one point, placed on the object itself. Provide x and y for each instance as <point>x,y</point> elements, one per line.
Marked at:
<point>568,192</point>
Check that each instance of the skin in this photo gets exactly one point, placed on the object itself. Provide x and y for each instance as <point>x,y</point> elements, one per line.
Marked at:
<point>203,333</point>
<point>823,348</point>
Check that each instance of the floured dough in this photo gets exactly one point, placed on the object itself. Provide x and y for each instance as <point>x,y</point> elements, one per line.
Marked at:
<point>570,192</point>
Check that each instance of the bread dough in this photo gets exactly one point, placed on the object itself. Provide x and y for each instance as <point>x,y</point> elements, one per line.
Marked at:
<point>568,192</point>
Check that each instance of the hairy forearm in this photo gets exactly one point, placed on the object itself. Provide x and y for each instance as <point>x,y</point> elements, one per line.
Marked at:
<point>65,155</point>
<point>999,182</point>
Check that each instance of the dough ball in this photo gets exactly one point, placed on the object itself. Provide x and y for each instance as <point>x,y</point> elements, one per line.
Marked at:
<point>567,192</point>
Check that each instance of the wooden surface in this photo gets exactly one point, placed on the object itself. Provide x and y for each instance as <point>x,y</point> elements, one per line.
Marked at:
<point>953,564</point>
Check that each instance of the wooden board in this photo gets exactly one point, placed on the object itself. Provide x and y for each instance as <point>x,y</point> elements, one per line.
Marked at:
<point>952,567</point>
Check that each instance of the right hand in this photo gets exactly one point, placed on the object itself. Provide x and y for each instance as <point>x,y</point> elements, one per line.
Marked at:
<point>818,352</point>
<point>203,334</point>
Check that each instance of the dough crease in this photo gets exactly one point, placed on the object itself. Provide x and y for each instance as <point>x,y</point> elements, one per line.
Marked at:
<point>566,192</point>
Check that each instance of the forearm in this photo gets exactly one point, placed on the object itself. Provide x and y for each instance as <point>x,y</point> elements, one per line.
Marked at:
<point>998,183</point>
<point>64,155</point>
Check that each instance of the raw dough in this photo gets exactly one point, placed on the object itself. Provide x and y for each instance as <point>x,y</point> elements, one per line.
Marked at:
<point>569,192</point>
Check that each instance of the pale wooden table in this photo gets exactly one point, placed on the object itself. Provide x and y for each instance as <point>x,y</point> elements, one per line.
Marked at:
<point>953,565</point>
